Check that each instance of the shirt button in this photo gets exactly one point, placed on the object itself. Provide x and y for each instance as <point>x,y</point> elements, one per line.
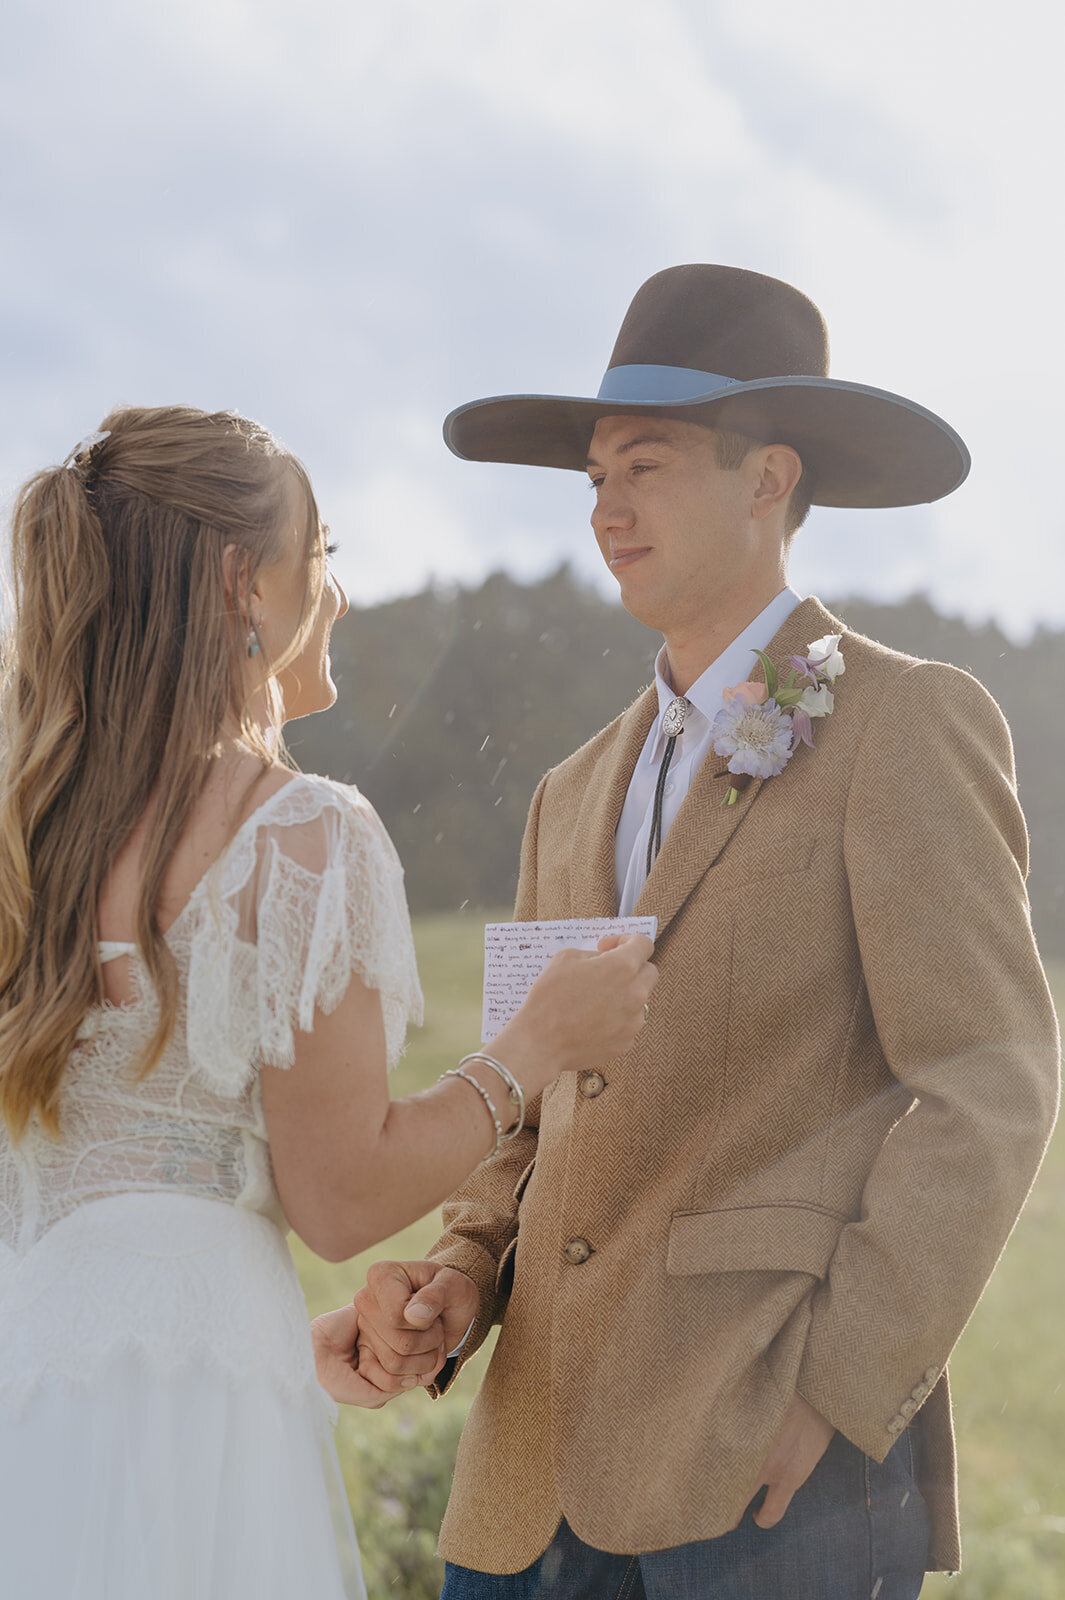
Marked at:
<point>668,790</point>
<point>577,1252</point>
<point>592,1083</point>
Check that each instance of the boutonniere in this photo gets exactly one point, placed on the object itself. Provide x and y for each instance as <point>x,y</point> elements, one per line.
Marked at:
<point>762,724</point>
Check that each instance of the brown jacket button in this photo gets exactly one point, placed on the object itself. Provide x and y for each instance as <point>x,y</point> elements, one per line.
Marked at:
<point>592,1083</point>
<point>577,1252</point>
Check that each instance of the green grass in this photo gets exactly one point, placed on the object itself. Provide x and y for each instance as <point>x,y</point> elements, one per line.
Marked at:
<point>1008,1370</point>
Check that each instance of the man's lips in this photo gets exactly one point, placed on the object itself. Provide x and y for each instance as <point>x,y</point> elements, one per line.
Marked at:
<point>625,558</point>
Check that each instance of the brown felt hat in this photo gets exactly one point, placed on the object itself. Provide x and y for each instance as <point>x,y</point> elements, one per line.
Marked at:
<point>732,349</point>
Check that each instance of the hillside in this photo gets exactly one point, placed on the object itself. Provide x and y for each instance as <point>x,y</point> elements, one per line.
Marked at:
<point>454,703</point>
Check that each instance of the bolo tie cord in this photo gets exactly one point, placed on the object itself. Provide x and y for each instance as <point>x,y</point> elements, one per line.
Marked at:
<point>654,843</point>
<point>673,720</point>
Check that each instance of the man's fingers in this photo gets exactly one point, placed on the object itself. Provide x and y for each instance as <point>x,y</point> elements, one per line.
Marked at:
<point>390,1285</point>
<point>385,1334</point>
<point>452,1297</point>
<point>411,1313</point>
<point>415,1365</point>
<point>382,1303</point>
<point>426,1306</point>
<point>392,1383</point>
<point>773,1507</point>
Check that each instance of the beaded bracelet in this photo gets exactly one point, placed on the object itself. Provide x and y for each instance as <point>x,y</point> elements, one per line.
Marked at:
<point>457,1072</point>
<point>514,1089</point>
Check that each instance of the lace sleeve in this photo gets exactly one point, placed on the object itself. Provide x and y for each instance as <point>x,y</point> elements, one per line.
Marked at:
<point>309,893</point>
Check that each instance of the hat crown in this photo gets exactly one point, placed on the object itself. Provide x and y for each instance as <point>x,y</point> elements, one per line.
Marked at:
<point>725,320</point>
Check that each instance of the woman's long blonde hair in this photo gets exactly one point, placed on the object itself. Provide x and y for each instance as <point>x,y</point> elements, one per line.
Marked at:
<point>124,660</point>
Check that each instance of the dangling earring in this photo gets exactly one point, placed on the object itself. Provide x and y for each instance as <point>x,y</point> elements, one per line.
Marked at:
<point>251,643</point>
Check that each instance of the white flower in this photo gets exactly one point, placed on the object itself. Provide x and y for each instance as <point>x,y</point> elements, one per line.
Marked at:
<point>828,646</point>
<point>817,702</point>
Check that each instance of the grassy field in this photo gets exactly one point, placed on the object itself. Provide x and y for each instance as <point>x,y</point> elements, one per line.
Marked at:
<point>1008,1370</point>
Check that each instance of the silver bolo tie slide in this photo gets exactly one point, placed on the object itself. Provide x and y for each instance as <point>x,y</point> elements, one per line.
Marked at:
<point>673,720</point>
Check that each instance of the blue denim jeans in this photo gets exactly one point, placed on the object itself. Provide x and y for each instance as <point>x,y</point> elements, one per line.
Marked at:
<point>855,1530</point>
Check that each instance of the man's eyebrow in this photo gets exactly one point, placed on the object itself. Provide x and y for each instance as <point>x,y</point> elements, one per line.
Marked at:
<point>634,444</point>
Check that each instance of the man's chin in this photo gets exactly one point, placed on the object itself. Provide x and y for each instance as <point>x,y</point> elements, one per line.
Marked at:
<point>640,603</point>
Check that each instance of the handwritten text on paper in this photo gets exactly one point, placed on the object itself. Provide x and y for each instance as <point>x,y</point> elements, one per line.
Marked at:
<point>515,954</point>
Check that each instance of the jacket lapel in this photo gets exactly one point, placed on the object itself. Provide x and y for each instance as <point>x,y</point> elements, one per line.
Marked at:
<point>704,825</point>
<point>593,880</point>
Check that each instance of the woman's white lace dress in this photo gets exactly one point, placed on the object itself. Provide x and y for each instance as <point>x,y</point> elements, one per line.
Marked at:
<point>162,1434</point>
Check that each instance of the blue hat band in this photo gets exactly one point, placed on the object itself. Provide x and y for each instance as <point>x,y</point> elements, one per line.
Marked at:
<point>659,385</point>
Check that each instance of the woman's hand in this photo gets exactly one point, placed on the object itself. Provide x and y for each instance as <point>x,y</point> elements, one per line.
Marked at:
<point>583,1009</point>
<point>334,1337</point>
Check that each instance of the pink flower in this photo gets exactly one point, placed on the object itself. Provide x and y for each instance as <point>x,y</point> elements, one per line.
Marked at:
<point>751,694</point>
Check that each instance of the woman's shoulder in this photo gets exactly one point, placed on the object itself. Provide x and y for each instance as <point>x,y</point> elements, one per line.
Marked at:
<point>306,814</point>
<point>288,798</point>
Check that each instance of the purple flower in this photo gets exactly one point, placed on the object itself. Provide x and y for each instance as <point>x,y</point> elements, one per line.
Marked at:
<point>757,739</point>
<point>801,725</point>
<point>811,667</point>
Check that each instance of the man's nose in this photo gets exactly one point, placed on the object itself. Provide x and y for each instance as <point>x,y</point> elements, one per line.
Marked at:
<point>612,509</point>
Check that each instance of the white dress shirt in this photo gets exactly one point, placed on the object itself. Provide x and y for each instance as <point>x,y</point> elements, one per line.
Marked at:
<point>736,664</point>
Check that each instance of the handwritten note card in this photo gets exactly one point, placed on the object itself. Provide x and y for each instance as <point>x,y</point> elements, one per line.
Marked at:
<point>515,954</point>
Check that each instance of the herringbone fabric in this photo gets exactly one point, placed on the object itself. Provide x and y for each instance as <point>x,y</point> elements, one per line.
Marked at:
<point>802,1174</point>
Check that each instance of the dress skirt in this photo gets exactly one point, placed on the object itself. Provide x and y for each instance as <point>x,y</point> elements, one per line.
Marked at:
<point>189,1454</point>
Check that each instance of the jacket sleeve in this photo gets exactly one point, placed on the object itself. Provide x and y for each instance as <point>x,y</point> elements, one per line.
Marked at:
<point>481,1218</point>
<point>936,855</point>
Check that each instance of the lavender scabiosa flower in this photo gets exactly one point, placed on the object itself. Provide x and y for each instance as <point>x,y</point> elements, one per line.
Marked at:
<point>757,739</point>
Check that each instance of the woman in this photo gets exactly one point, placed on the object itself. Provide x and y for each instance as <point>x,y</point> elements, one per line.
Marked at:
<point>205,966</point>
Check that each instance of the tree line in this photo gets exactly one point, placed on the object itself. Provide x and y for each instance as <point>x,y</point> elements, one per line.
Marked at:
<point>454,702</point>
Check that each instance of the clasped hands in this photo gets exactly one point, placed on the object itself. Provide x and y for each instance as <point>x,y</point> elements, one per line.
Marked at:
<point>397,1334</point>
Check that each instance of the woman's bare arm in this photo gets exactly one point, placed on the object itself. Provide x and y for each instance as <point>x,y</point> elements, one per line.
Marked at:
<point>353,1167</point>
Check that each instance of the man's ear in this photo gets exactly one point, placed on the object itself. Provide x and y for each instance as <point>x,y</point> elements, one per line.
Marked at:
<point>779,469</point>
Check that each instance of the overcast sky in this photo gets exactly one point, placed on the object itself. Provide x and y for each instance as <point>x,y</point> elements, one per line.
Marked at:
<point>346,218</point>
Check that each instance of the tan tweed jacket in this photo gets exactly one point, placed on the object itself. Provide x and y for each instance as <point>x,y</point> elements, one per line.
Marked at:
<point>803,1173</point>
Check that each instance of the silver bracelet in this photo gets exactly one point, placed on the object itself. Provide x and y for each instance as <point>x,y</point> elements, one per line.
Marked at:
<point>457,1072</point>
<point>514,1089</point>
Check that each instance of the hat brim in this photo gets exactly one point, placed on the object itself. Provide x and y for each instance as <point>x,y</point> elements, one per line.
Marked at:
<point>866,447</point>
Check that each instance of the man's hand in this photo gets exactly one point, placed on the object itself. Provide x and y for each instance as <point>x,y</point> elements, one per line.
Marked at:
<point>803,1438</point>
<point>411,1313</point>
<point>334,1337</point>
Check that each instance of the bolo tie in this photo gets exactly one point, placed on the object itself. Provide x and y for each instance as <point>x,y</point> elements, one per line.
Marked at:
<point>673,720</point>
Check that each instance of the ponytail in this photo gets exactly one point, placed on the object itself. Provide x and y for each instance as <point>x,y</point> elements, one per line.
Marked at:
<point>123,663</point>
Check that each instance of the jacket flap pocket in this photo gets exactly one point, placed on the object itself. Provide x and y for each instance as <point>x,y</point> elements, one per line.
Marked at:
<point>779,1238</point>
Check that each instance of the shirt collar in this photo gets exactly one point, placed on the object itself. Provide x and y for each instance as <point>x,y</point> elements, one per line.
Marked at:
<point>734,665</point>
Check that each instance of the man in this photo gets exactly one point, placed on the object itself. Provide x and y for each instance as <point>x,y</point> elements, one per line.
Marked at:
<point>730,1266</point>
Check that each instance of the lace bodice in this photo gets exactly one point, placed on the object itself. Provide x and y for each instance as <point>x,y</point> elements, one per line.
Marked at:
<point>309,891</point>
